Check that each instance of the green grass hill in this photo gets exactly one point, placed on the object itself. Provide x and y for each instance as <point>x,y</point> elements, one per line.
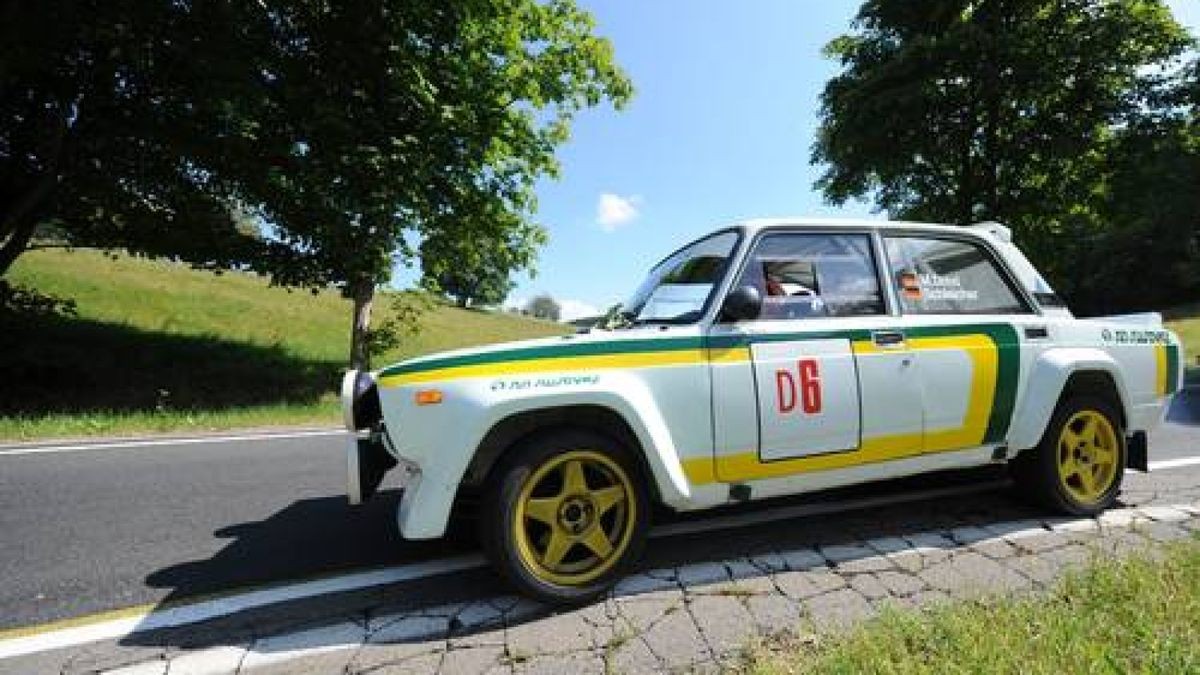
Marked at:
<point>157,346</point>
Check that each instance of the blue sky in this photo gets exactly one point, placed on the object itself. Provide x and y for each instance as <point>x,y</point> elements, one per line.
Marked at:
<point>720,128</point>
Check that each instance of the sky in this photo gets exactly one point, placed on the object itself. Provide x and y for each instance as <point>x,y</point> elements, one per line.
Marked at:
<point>720,128</point>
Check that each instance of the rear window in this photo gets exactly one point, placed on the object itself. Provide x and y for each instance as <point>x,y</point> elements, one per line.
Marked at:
<point>949,276</point>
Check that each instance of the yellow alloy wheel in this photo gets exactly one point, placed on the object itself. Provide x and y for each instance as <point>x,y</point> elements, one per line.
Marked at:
<point>575,517</point>
<point>1087,456</point>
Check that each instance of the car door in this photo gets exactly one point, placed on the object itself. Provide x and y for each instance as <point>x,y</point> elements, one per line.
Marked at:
<point>966,321</point>
<point>823,374</point>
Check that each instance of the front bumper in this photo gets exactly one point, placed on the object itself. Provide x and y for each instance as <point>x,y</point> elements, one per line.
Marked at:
<point>368,458</point>
<point>367,462</point>
<point>425,505</point>
<point>430,479</point>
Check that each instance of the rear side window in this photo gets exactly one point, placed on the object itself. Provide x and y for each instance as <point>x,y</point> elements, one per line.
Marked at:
<point>948,276</point>
<point>804,276</point>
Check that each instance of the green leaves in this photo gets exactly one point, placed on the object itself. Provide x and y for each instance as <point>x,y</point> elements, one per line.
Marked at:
<point>350,131</point>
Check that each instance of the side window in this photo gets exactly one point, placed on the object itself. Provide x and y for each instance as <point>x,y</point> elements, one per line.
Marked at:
<point>946,276</point>
<point>814,275</point>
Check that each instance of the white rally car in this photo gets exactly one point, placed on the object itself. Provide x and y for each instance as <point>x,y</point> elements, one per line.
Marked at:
<point>769,358</point>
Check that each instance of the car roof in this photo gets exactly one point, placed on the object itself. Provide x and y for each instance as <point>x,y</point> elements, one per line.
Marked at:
<point>754,225</point>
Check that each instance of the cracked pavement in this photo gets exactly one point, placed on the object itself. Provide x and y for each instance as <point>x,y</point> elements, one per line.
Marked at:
<point>696,602</point>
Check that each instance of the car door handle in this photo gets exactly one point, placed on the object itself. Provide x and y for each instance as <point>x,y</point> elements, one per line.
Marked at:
<point>888,338</point>
<point>1037,332</point>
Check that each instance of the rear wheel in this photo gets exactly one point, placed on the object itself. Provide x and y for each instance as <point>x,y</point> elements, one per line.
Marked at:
<point>1078,466</point>
<point>564,515</point>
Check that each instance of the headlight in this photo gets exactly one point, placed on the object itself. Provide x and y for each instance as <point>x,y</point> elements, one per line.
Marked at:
<point>360,401</point>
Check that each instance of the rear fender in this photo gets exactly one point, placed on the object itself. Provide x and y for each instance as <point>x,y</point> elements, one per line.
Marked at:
<point>1046,382</point>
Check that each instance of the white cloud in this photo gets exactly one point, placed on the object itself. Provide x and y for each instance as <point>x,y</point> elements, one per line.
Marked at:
<point>613,210</point>
<point>569,310</point>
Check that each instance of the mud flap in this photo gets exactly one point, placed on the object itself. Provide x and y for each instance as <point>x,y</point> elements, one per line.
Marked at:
<point>1137,452</point>
<point>367,461</point>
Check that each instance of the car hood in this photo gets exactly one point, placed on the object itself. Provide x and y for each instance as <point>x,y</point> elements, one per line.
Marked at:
<point>587,343</point>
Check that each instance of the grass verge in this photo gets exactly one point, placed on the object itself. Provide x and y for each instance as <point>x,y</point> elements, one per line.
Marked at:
<point>1133,615</point>
<point>122,423</point>
<point>159,347</point>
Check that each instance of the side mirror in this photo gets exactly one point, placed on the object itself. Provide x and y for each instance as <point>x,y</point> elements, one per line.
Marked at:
<point>743,303</point>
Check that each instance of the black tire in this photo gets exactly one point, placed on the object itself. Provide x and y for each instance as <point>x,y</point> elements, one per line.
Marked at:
<point>514,553</point>
<point>1037,471</point>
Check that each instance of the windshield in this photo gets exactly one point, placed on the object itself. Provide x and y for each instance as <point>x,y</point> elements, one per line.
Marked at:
<point>678,288</point>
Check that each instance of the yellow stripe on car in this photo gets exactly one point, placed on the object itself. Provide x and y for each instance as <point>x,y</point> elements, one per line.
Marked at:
<point>728,355</point>
<point>1162,382</point>
<point>680,357</point>
<point>984,356</point>
<point>985,359</point>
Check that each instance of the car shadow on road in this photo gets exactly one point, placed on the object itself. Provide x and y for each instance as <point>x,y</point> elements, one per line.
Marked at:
<point>310,538</point>
<point>317,537</point>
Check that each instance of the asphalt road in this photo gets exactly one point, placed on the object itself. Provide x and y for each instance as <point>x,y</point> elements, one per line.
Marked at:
<point>92,530</point>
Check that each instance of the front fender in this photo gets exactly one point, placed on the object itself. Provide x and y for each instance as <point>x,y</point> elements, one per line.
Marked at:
<point>443,439</point>
<point>629,397</point>
<point>1045,383</point>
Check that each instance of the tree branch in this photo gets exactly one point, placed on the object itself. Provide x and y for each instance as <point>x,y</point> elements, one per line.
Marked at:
<point>14,246</point>
<point>21,221</point>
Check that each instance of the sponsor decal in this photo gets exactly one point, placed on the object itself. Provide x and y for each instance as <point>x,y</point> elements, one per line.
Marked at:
<point>524,383</point>
<point>945,287</point>
<point>1135,337</point>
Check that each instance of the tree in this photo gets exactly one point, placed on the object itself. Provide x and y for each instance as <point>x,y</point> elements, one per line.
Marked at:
<point>351,131</point>
<point>1148,254</point>
<point>544,307</point>
<point>472,286</point>
<point>477,271</point>
<point>420,120</point>
<point>961,111</point>
<point>120,123</point>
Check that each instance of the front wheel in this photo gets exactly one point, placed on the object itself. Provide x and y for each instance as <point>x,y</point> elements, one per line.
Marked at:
<point>564,515</point>
<point>1078,466</point>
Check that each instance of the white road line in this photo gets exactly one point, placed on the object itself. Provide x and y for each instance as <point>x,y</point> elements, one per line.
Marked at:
<point>68,637</point>
<point>1176,463</point>
<point>183,615</point>
<point>160,442</point>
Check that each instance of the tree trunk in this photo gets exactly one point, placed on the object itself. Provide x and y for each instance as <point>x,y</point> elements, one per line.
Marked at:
<point>16,244</point>
<point>363,293</point>
<point>992,111</point>
<point>20,221</point>
<point>966,194</point>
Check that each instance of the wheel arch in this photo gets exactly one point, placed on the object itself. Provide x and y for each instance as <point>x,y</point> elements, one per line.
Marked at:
<point>1096,383</point>
<point>1058,374</point>
<point>518,427</point>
